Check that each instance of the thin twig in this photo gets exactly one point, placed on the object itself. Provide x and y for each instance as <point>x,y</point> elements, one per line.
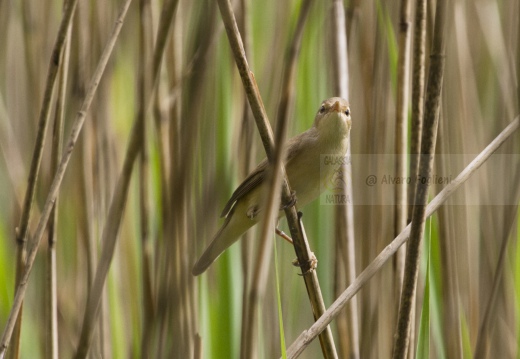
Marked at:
<point>146,49</point>
<point>419,55</point>
<point>344,215</point>
<point>108,240</point>
<point>401,139</point>
<point>271,205</point>
<point>248,340</point>
<point>57,148</point>
<point>401,129</point>
<point>428,140</point>
<point>255,101</point>
<point>56,183</point>
<point>178,280</point>
<point>310,334</point>
<point>301,246</point>
<point>418,75</point>
<point>21,230</point>
<point>111,229</point>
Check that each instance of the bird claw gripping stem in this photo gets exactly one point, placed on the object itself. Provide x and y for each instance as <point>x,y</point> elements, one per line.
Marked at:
<point>312,264</point>
<point>291,202</point>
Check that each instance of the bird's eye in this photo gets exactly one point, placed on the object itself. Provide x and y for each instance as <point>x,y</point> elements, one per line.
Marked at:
<point>347,112</point>
<point>322,109</point>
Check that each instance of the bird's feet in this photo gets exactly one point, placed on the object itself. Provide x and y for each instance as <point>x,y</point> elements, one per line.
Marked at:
<point>252,212</point>
<point>291,202</point>
<point>312,264</point>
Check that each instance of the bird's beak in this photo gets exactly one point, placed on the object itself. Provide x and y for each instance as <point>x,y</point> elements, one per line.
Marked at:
<point>336,107</point>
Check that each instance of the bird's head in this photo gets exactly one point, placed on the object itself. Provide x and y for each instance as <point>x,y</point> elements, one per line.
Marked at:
<point>333,118</point>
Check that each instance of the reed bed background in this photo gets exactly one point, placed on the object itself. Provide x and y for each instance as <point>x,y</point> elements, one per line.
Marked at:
<point>169,135</point>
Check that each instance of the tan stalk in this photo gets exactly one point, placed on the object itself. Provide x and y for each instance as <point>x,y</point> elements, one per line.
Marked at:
<point>56,183</point>
<point>57,147</point>
<point>261,268</point>
<point>419,45</point>
<point>428,139</point>
<point>247,151</point>
<point>22,229</point>
<point>401,144</point>
<point>144,87</point>
<point>113,221</point>
<point>401,130</point>
<point>335,309</point>
<point>301,246</point>
<point>344,214</point>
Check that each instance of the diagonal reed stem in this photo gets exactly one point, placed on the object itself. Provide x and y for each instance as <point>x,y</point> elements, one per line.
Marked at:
<point>301,246</point>
<point>111,229</point>
<point>56,183</point>
<point>57,148</point>
<point>261,268</point>
<point>43,120</point>
<point>429,136</point>
<point>335,309</point>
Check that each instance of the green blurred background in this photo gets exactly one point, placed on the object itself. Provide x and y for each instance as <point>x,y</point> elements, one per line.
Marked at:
<point>200,140</point>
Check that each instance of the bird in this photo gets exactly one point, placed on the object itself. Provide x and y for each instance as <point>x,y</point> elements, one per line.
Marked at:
<point>307,175</point>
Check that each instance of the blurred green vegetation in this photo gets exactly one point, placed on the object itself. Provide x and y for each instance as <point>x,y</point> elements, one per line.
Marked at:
<point>479,100</point>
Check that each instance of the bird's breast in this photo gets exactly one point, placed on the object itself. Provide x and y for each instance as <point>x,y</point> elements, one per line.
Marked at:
<point>310,174</point>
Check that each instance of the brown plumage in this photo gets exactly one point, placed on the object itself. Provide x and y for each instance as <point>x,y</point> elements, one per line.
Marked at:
<point>328,136</point>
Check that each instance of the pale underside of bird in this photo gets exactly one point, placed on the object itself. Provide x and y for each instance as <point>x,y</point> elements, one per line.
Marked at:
<point>304,167</point>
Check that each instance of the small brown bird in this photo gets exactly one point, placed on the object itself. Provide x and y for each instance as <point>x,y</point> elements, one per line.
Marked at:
<point>307,177</point>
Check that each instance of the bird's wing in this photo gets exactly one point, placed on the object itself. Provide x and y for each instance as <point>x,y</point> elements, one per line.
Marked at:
<point>253,180</point>
<point>293,147</point>
<point>256,177</point>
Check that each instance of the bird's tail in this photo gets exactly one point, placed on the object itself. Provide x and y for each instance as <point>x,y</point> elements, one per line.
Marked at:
<point>228,234</point>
